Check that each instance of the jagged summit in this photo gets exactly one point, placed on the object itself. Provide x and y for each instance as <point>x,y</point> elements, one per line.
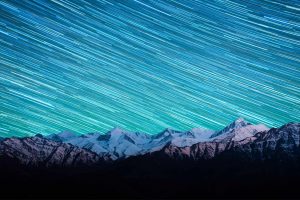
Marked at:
<point>240,119</point>
<point>167,130</point>
<point>115,130</point>
<point>238,123</point>
<point>240,128</point>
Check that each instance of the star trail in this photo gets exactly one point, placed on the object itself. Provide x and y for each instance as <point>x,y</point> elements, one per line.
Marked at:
<point>146,65</point>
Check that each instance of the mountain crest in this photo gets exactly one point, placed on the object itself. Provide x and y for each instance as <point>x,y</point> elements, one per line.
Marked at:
<point>238,131</point>
<point>240,122</point>
<point>118,143</point>
<point>62,136</point>
<point>116,131</point>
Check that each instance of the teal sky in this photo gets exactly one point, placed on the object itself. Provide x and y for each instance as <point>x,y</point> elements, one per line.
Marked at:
<point>146,65</point>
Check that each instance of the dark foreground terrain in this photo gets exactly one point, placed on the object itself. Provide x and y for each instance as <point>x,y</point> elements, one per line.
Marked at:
<point>155,177</point>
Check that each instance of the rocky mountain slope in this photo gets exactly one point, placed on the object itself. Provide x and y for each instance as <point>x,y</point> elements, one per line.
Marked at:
<point>259,143</point>
<point>38,151</point>
<point>277,143</point>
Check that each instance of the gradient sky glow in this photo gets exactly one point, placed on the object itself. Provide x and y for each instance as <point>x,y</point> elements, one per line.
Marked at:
<point>145,65</point>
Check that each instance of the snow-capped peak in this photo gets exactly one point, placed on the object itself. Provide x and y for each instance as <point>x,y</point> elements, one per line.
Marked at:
<point>238,123</point>
<point>197,130</point>
<point>116,131</point>
<point>168,131</point>
<point>238,130</point>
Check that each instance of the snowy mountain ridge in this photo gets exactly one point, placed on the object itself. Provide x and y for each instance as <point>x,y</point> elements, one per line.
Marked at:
<point>69,149</point>
<point>118,143</point>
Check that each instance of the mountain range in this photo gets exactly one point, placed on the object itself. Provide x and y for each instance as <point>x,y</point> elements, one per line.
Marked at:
<point>241,159</point>
<point>67,148</point>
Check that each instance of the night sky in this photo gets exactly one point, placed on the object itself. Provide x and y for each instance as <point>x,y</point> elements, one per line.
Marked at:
<point>147,65</point>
